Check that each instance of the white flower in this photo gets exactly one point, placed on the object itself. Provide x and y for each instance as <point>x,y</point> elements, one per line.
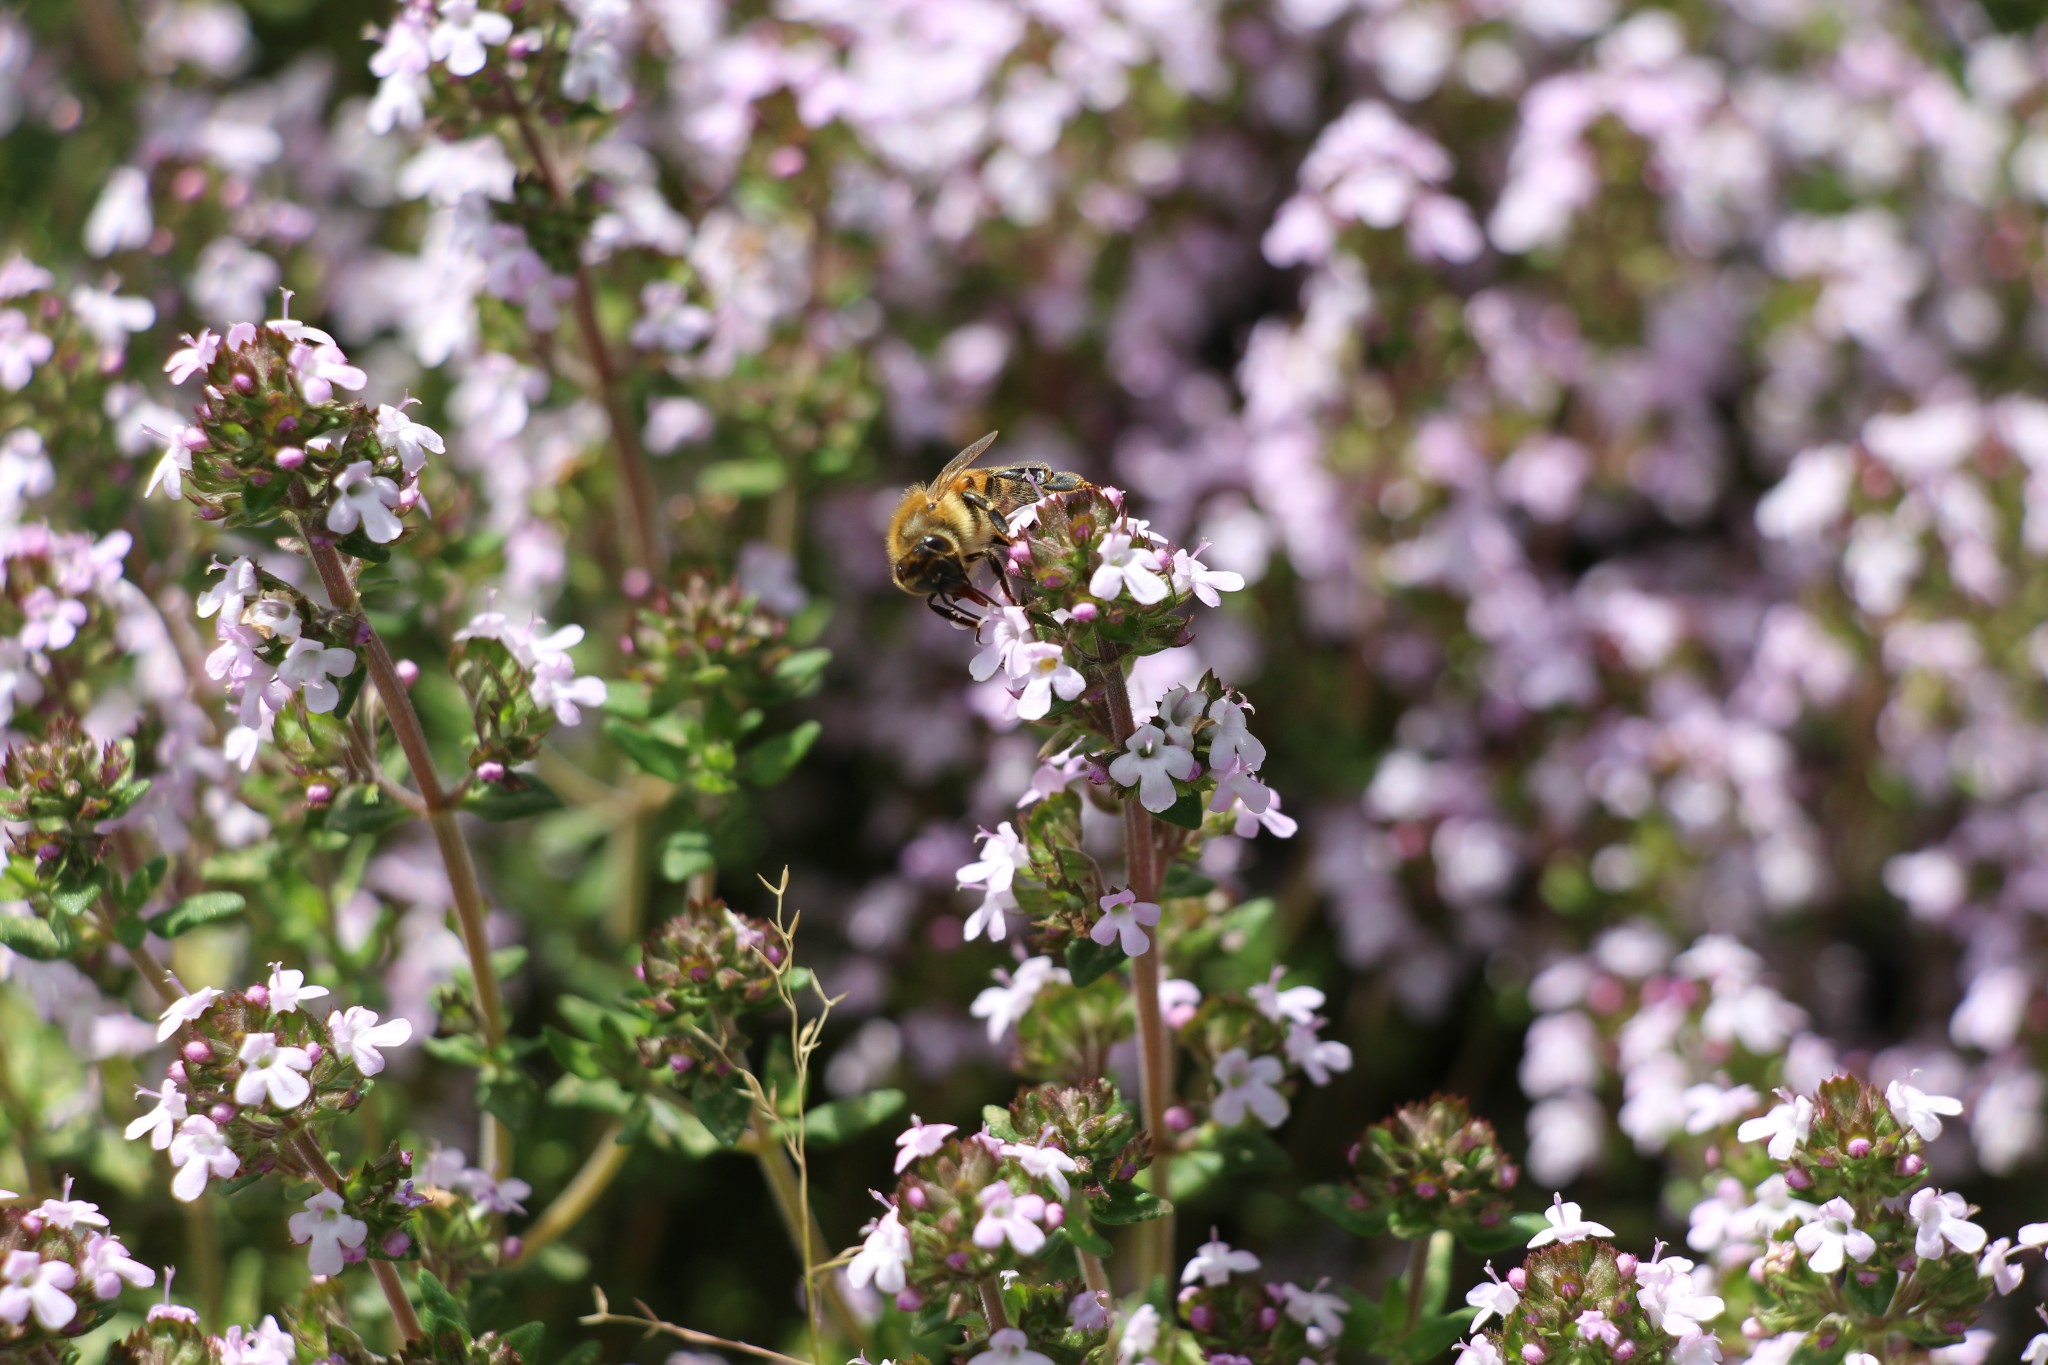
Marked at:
<point>22,348</point>
<point>1215,1261</point>
<point>238,583</point>
<point>364,499</point>
<point>1044,671</point>
<point>1127,565</point>
<point>161,1123</point>
<point>309,666</point>
<point>1179,709</point>
<point>198,353</point>
<point>921,1139</point>
<point>1832,1232</point>
<point>1009,1347</point>
<point>1140,1334</point>
<point>1007,1216</point>
<point>176,463</point>
<point>1151,764</point>
<point>1049,1164</point>
<point>322,369</point>
<point>69,1213</point>
<point>199,1151</point>
<point>2037,1350</point>
<point>1296,1004</point>
<point>183,1011</point>
<point>121,220</point>
<point>107,1265</point>
<point>1244,1083</point>
<point>1943,1218</point>
<point>327,1225</point>
<point>360,1038</point>
<point>1317,1057</point>
<point>265,1345</point>
<point>1189,574</point>
<point>1323,1314</point>
<point>1125,918</point>
<point>1478,1351</point>
<point>28,1283</point>
<point>1916,1109</point>
<point>1566,1225</point>
<point>288,988</point>
<point>462,34</point>
<point>412,441</point>
<point>274,1071</point>
<point>2004,1276</point>
<point>883,1257</point>
<point>1494,1299</point>
<point>1665,1289</point>
<point>1786,1126</point>
<point>1008,628</point>
<point>1002,853</point>
<point>1231,745</point>
<point>1003,1005</point>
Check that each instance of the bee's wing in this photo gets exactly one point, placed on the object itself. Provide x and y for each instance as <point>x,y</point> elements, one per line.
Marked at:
<point>964,460</point>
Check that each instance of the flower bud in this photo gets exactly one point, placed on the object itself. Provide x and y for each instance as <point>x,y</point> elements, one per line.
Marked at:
<point>1625,1266</point>
<point>1269,1318</point>
<point>1179,1118</point>
<point>1518,1280</point>
<point>490,771</point>
<point>915,1197</point>
<point>1055,1215</point>
<point>222,1113</point>
<point>290,457</point>
<point>1858,1147</point>
<point>408,671</point>
<point>259,996</point>
<point>909,1301</point>
<point>1534,1354</point>
<point>1624,1349</point>
<point>198,1051</point>
<point>319,794</point>
<point>1202,1318</point>
<point>396,1243</point>
<point>1911,1164</point>
<point>1085,612</point>
<point>509,1249</point>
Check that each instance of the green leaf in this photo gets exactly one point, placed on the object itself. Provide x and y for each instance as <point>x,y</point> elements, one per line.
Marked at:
<point>31,937</point>
<point>742,478</point>
<point>510,1094</point>
<point>1183,881</point>
<point>497,801</point>
<point>800,671</point>
<point>461,1049</point>
<point>524,1340</point>
<point>1431,1337</point>
<point>576,1056</point>
<point>841,1120</point>
<point>725,1108</point>
<point>1514,1232</point>
<point>603,1094</point>
<point>624,697</point>
<point>1123,1202</point>
<point>365,810</point>
<point>136,890</point>
<point>772,760</point>
<point>584,1352</point>
<point>1362,1323</point>
<point>678,1130</point>
<point>1086,1238</point>
<point>686,853</point>
<point>1436,1272</point>
<point>650,754</point>
<point>1875,1298</point>
<point>1185,812</point>
<point>362,547</point>
<point>439,1312</point>
<point>208,907</point>
<point>1088,960</point>
<point>130,931</point>
<point>75,898</point>
<point>347,690</point>
<point>1334,1203</point>
<point>997,1120</point>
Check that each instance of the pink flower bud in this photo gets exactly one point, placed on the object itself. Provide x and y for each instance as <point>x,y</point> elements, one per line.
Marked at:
<point>222,1113</point>
<point>396,1243</point>
<point>1534,1354</point>
<point>636,583</point>
<point>785,162</point>
<point>290,457</point>
<point>1055,1214</point>
<point>176,1071</point>
<point>1911,1165</point>
<point>1427,1189</point>
<point>1624,1349</point>
<point>259,996</point>
<point>1858,1147</point>
<point>32,1224</point>
<point>287,425</point>
<point>1202,1318</point>
<point>188,184</point>
<point>1179,1118</point>
<point>1518,1280</point>
<point>909,1301</point>
<point>1269,1318</point>
<point>362,632</point>
<point>244,382</point>
<point>509,1249</point>
<point>957,1261</point>
<point>681,1062</point>
<point>915,1197</point>
<point>1798,1179</point>
<point>197,1051</point>
<point>408,498</point>
<point>353,1255</point>
<point>1086,611</point>
<point>1625,1266</point>
<point>490,771</point>
<point>408,671</point>
<point>319,794</point>
<point>314,1050</point>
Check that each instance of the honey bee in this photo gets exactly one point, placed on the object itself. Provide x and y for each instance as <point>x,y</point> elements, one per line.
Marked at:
<point>941,528</point>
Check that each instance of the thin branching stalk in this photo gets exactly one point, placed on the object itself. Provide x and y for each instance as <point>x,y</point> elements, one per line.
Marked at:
<point>468,893</point>
<point>149,964</point>
<point>402,1316</point>
<point>653,1326</point>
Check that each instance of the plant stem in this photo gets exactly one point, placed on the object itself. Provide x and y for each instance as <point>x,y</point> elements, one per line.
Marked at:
<point>402,1316</point>
<point>1418,1271</point>
<point>1155,1044</point>
<point>1093,1273</point>
<point>604,1162</point>
<point>637,491</point>
<point>496,1154</point>
<point>992,1304</point>
<point>653,1324</point>
<point>802,1225</point>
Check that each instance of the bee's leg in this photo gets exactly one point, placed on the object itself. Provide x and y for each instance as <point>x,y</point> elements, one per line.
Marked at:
<point>1042,478</point>
<point>952,612</point>
<point>999,529</point>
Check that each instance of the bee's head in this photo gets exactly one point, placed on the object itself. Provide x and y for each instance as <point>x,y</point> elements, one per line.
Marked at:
<point>932,565</point>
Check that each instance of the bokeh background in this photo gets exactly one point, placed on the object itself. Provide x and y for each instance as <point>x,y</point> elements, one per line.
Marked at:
<point>1627,419</point>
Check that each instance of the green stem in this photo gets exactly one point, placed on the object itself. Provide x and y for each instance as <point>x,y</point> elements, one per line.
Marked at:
<point>803,1229</point>
<point>1155,1044</point>
<point>496,1154</point>
<point>604,1163</point>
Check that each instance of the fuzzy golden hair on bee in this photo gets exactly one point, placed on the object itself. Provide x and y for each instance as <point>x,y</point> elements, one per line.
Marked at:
<point>941,529</point>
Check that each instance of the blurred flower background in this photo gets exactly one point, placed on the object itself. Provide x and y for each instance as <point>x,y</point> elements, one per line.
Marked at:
<point>1626,420</point>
